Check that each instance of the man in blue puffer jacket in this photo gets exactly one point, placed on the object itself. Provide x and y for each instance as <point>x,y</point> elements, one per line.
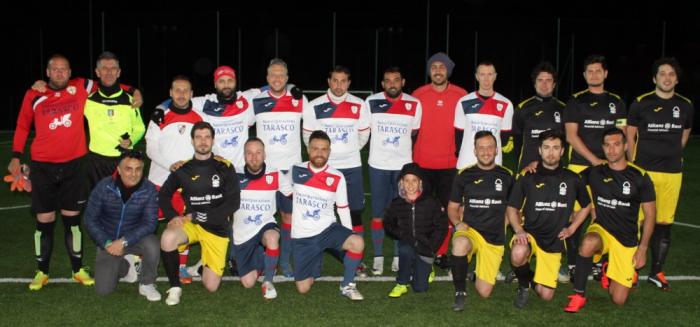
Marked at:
<point>121,216</point>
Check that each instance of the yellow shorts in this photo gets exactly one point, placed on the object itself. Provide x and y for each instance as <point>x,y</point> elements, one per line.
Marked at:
<point>488,256</point>
<point>214,247</point>
<point>547,266</point>
<point>620,257</point>
<point>667,187</point>
<point>577,169</point>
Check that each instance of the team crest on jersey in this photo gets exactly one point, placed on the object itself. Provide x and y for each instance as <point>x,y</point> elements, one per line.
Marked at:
<point>239,104</point>
<point>215,181</point>
<point>557,117</point>
<point>408,106</point>
<point>295,102</point>
<point>269,179</point>
<point>353,109</point>
<point>71,90</point>
<point>676,112</point>
<point>499,107</point>
<point>626,186</point>
<point>612,108</point>
<point>499,185</point>
<point>181,129</point>
<point>562,188</point>
<point>330,180</point>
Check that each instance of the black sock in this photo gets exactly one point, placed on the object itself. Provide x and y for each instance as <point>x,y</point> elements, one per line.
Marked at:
<point>583,269</point>
<point>43,245</point>
<point>524,275</point>
<point>171,263</point>
<point>572,247</point>
<point>660,244</point>
<point>74,241</point>
<point>459,272</point>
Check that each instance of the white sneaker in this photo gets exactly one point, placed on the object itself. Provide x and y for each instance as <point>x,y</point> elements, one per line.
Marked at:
<point>351,292</point>
<point>194,270</point>
<point>150,292</point>
<point>395,264</point>
<point>378,266</point>
<point>174,294</point>
<point>131,275</point>
<point>269,291</point>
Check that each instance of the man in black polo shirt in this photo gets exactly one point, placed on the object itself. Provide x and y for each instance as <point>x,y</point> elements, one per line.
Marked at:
<point>545,200</point>
<point>477,210</point>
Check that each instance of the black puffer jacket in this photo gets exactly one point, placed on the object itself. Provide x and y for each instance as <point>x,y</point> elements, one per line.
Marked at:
<point>421,222</point>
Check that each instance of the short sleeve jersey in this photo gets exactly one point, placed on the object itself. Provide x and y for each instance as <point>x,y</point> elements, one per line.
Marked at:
<point>484,194</point>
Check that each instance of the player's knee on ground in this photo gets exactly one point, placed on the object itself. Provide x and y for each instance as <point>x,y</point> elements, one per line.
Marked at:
<point>545,293</point>
<point>483,288</point>
<point>248,281</point>
<point>519,254</point>
<point>460,246</point>
<point>618,293</point>
<point>354,243</point>
<point>210,280</point>
<point>304,286</point>
<point>590,244</point>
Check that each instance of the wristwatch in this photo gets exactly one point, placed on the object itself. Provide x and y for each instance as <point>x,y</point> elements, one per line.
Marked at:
<point>125,243</point>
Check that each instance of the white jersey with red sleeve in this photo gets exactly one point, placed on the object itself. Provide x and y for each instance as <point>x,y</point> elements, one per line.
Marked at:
<point>475,113</point>
<point>258,204</point>
<point>343,123</point>
<point>168,142</point>
<point>314,195</point>
<point>392,122</point>
<point>231,122</point>
<point>278,125</point>
<point>57,117</point>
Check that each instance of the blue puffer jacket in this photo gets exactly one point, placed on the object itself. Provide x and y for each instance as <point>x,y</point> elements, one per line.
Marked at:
<point>108,218</point>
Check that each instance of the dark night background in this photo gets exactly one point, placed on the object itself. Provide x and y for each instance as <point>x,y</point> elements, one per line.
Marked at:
<point>159,39</point>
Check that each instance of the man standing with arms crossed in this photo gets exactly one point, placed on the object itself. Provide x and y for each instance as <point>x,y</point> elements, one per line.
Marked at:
<point>658,128</point>
<point>395,120</point>
<point>345,118</point>
<point>435,149</point>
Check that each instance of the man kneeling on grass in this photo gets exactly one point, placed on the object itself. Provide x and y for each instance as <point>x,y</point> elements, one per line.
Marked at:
<point>212,194</point>
<point>121,216</point>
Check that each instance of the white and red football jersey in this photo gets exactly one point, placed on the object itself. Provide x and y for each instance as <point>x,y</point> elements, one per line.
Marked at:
<point>278,125</point>
<point>342,122</point>
<point>474,113</point>
<point>392,122</point>
<point>231,122</point>
<point>258,204</point>
<point>169,142</point>
<point>314,194</point>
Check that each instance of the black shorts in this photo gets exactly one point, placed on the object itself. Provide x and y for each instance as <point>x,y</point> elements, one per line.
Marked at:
<point>58,186</point>
<point>99,167</point>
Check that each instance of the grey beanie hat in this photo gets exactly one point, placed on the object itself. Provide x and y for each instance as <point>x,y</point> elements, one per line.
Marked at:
<point>445,59</point>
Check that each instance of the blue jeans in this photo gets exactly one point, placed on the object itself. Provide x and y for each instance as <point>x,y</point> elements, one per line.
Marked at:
<point>411,265</point>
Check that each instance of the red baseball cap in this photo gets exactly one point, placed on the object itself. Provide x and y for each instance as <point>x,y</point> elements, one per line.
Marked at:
<point>224,71</point>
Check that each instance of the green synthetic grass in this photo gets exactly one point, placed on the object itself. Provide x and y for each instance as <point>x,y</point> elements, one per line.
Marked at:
<point>72,304</point>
